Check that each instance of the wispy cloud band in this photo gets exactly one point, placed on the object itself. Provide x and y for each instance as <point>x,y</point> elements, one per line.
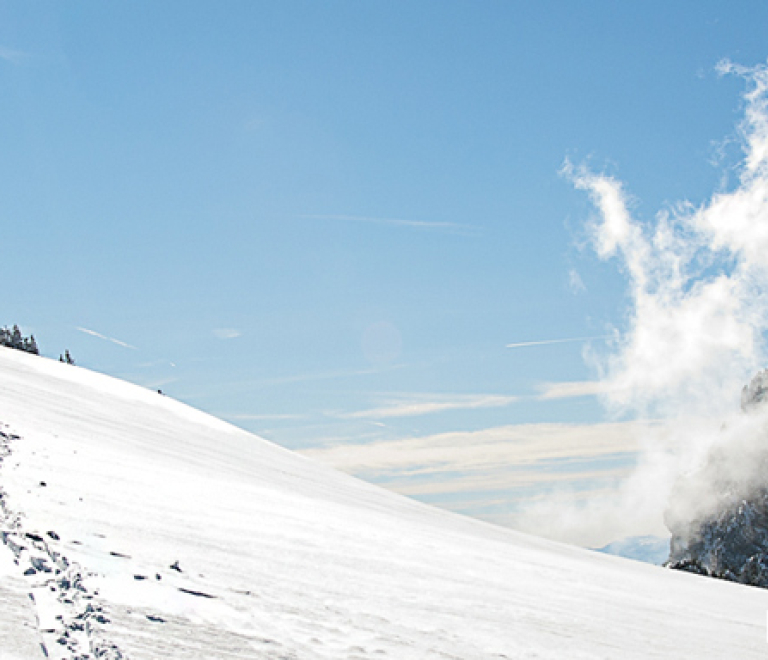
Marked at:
<point>226,333</point>
<point>421,404</point>
<point>573,389</point>
<point>487,450</point>
<point>11,55</point>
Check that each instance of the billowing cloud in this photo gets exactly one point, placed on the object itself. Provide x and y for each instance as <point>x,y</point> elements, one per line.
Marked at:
<point>697,280</point>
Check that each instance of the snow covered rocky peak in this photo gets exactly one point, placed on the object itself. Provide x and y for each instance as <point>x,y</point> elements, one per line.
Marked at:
<point>732,544</point>
<point>754,395</point>
<point>718,517</point>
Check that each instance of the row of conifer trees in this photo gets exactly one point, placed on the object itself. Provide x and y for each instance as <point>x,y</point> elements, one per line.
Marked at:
<point>14,339</point>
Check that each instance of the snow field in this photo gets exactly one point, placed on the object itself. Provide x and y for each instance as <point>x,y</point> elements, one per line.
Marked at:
<point>198,540</point>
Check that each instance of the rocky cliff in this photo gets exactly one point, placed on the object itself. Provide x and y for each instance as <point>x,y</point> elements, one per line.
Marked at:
<point>722,530</point>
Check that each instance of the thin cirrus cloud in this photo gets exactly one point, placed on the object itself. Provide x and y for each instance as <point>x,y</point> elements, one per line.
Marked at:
<point>449,227</point>
<point>416,405</point>
<point>575,283</point>
<point>226,333</point>
<point>499,473</point>
<point>483,451</point>
<point>245,417</point>
<point>11,55</point>
<point>309,377</point>
<point>93,333</point>
<point>573,389</point>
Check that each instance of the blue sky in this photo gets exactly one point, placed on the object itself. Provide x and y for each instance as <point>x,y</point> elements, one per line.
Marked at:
<point>326,222</point>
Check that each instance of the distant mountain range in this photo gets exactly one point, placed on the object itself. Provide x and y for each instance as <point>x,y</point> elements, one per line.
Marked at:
<point>648,549</point>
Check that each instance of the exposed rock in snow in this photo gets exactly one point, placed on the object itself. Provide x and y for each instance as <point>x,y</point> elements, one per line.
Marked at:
<point>755,394</point>
<point>732,544</point>
<point>69,617</point>
<point>726,532</point>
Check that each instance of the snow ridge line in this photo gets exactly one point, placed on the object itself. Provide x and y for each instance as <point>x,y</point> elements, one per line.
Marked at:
<point>70,618</point>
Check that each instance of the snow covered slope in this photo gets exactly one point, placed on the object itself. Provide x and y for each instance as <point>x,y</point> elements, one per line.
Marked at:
<point>145,529</point>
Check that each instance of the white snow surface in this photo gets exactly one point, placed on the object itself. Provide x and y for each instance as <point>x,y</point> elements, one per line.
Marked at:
<point>109,486</point>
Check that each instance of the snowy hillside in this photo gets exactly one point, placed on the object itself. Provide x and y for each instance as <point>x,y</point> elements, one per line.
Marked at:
<point>145,529</point>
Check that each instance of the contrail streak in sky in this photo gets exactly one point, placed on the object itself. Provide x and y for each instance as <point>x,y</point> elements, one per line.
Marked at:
<point>555,341</point>
<point>93,333</point>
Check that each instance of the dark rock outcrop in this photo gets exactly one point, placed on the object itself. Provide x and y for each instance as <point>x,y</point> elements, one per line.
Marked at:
<point>732,544</point>
<point>754,395</point>
<point>721,530</point>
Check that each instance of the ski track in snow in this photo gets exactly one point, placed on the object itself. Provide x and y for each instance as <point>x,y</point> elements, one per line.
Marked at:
<point>71,620</point>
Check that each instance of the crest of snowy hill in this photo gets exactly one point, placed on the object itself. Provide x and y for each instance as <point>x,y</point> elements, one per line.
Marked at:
<point>133,526</point>
<point>726,534</point>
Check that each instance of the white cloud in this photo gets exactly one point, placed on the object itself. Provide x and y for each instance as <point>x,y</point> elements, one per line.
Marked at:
<point>11,55</point>
<point>589,517</point>
<point>503,471</point>
<point>572,389</point>
<point>488,449</point>
<point>697,278</point>
<point>575,283</point>
<point>485,488</point>
<point>424,404</point>
<point>698,291</point>
<point>245,417</point>
<point>151,364</point>
<point>323,375</point>
<point>227,333</point>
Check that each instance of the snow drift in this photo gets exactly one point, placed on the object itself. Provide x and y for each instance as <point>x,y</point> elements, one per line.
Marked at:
<point>145,529</point>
